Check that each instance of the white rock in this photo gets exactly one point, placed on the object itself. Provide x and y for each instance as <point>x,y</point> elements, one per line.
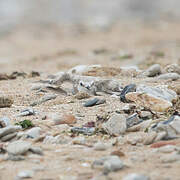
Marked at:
<point>99,146</point>
<point>18,147</point>
<point>134,176</point>
<point>169,76</point>
<point>167,149</point>
<point>160,91</point>
<point>113,164</point>
<point>25,174</point>
<point>116,125</point>
<point>34,132</point>
<point>153,70</point>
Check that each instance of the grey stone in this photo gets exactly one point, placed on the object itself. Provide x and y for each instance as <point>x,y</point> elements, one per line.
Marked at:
<point>116,125</point>
<point>153,70</point>
<point>4,121</point>
<point>83,130</point>
<point>99,146</point>
<point>10,129</point>
<point>8,137</point>
<point>33,132</point>
<point>36,150</point>
<point>134,176</point>
<point>12,157</point>
<point>127,89</point>
<point>172,68</point>
<point>167,149</point>
<point>108,163</point>
<point>169,158</point>
<point>171,127</point>
<point>146,115</point>
<point>113,164</point>
<point>25,174</point>
<point>169,76</point>
<point>133,120</point>
<point>27,112</point>
<point>18,147</point>
<point>158,91</point>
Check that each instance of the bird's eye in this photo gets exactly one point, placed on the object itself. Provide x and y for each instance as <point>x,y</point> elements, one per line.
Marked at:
<point>81,84</point>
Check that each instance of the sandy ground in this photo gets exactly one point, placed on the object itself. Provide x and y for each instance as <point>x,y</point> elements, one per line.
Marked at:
<point>52,49</point>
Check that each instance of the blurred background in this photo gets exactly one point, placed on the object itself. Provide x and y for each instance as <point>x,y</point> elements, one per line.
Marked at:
<point>57,34</point>
<point>88,12</point>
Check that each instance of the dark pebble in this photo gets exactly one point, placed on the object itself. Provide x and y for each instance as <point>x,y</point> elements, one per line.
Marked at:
<point>127,89</point>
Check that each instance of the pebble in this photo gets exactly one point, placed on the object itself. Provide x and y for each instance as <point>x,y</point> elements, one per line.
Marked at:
<point>171,127</point>
<point>33,132</point>
<point>64,119</point>
<point>15,157</point>
<point>149,101</point>
<point>135,176</point>
<point>116,125</point>
<point>145,115</point>
<point>25,174</point>
<point>153,70</point>
<point>108,163</point>
<point>27,112</point>
<point>99,146</point>
<point>160,91</point>
<point>113,163</point>
<point>4,122</point>
<point>18,147</point>
<point>169,158</point>
<point>149,138</point>
<point>8,130</point>
<point>133,120</point>
<point>8,137</point>
<point>172,68</point>
<point>127,89</point>
<point>83,130</point>
<point>36,150</point>
<point>82,95</point>
<point>169,76</point>
<point>44,99</point>
<point>5,101</point>
<point>167,149</point>
<point>93,102</point>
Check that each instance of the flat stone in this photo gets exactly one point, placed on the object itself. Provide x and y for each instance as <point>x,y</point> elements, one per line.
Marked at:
<point>36,150</point>
<point>167,149</point>
<point>149,101</point>
<point>93,102</point>
<point>18,147</point>
<point>170,158</point>
<point>169,76</point>
<point>160,91</point>
<point>10,129</point>
<point>83,130</point>
<point>25,174</point>
<point>134,176</point>
<point>64,119</point>
<point>153,70</point>
<point>116,125</point>
<point>8,137</point>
